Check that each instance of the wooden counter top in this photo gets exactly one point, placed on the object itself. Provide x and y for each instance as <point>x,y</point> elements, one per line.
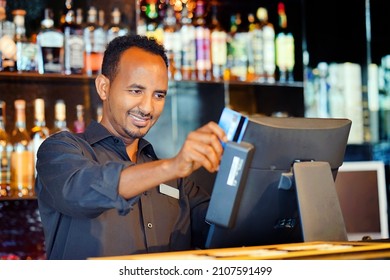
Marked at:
<point>308,250</point>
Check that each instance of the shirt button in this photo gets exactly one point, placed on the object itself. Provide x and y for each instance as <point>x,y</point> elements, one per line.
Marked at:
<point>150,225</point>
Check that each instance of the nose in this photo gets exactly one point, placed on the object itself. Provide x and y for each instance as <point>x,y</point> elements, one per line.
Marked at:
<point>146,103</point>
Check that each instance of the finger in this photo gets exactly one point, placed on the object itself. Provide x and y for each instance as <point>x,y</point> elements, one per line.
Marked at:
<point>215,129</point>
<point>210,143</point>
<point>208,154</point>
<point>201,159</point>
<point>193,155</point>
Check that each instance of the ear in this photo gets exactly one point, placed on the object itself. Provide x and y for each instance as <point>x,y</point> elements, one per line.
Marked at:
<point>102,84</point>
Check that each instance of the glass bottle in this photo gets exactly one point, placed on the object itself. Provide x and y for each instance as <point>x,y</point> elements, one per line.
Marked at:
<point>80,18</point>
<point>176,48</point>
<point>115,28</point>
<point>255,50</point>
<point>218,46</point>
<point>79,123</point>
<point>153,18</point>
<point>73,45</point>
<point>60,123</point>
<point>239,50</point>
<point>171,38</point>
<point>284,48</point>
<point>187,34</point>
<point>268,31</point>
<point>7,43</point>
<point>50,43</point>
<point>95,43</point>
<point>67,7</point>
<point>5,155</point>
<point>22,156</point>
<point>26,51</point>
<point>39,132</point>
<point>202,42</point>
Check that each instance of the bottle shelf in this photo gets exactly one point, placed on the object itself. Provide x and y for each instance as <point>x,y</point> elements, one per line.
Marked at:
<point>51,77</point>
<point>9,198</point>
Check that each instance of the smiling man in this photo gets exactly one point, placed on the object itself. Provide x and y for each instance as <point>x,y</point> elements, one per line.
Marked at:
<point>105,192</point>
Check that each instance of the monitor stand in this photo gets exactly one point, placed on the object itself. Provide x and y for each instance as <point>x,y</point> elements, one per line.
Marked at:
<point>320,211</point>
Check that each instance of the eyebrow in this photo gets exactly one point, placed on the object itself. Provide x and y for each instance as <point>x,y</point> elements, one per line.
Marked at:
<point>136,86</point>
<point>143,87</point>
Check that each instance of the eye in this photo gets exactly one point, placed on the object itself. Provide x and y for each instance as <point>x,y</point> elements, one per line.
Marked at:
<point>160,95</point>
<point>135,91</point>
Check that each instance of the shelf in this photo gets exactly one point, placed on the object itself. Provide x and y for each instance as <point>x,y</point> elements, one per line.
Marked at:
<point>29,76</point>
<point>13,198</point>
<point>50,77</point>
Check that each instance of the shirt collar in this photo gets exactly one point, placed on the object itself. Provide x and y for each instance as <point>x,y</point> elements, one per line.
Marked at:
<point>96,132</point>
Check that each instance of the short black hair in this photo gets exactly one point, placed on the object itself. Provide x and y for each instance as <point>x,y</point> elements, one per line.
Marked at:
<point>120,44</point>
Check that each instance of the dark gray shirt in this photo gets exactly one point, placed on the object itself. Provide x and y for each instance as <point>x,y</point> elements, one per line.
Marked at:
<point>84,216</point>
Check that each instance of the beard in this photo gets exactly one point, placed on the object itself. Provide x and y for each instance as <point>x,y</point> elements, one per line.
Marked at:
<point>136,133</point>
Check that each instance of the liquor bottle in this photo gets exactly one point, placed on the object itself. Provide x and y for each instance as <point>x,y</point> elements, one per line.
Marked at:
<point>67,7</point>
<point>5,155</point>
<point>250,31</point>
<point>115,28</point>
<point>177,50</point>
<point>256,52</point>
<point>239,50</point>
<point>170,38</point>
<point>153,16</point>
<point>59,117</point>
<point>39,132</point>
<point>268,31</point>
<point>188,34</point>
<point>284,48</point>
<point>73,45</point>
<point>79,123</point>
<point>22,156</point>
<point>80,17</point>
<point>95,43</point>
<point>7,43</point>
<point>50,43</point>
<point>202,41</point>
<point>218,45</point>
<point>229,45</point>
<point>102,20</point>
<point>26,51</point>
<point>252,24</point>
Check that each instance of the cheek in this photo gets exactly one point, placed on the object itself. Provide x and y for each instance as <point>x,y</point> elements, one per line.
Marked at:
<point>122,103</point>
<point>159,107</point>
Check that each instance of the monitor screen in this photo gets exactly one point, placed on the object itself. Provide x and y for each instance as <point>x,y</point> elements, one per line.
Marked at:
<point>263,211</point>
<point>361,188</point>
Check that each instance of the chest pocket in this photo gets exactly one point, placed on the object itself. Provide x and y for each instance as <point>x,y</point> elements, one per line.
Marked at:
<point>171,192</point>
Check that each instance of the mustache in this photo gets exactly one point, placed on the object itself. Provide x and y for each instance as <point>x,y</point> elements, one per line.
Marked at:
<point>140,114</point>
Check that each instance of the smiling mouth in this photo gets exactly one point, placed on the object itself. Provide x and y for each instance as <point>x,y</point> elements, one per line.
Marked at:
<point>140,121</point>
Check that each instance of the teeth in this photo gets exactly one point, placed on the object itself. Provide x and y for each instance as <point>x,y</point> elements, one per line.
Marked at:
<point>138,118</point>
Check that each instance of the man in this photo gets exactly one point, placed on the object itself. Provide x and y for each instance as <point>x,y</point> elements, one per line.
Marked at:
<point>104,192</point>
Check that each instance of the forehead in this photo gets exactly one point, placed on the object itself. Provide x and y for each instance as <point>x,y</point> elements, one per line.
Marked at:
<point>135,55</point>
<point>137,63</point>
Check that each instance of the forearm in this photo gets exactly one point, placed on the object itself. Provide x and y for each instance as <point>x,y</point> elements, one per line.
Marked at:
<point>201,148</point>
<point>138,178</point>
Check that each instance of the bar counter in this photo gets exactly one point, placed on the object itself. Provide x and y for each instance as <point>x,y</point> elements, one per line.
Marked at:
<point>318,250</point>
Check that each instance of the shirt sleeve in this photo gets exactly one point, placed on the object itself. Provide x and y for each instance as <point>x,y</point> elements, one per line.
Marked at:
<point>72,181</point>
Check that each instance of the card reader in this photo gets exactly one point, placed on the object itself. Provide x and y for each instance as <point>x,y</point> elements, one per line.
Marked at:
<point>229,183</point>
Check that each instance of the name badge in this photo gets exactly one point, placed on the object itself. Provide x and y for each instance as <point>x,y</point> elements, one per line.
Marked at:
<point>169,191</point>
